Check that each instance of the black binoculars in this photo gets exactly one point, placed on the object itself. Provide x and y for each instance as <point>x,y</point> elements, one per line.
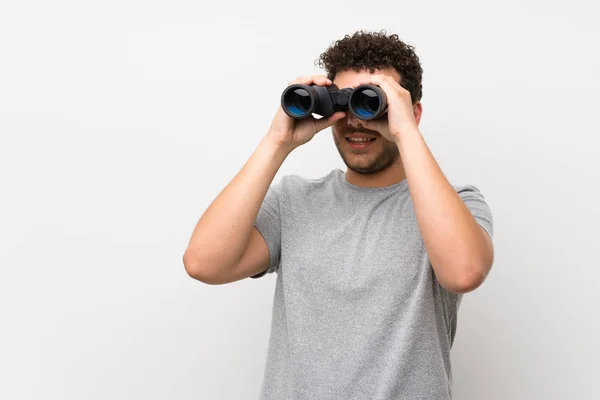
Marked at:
<point>365,101</point>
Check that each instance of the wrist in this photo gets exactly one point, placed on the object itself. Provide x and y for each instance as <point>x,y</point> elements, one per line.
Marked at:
<point>404,132</point>
<point>270,145</point>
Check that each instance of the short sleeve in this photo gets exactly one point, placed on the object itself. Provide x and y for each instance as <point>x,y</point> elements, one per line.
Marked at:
<point>268,223</point>
<point>476,203</point>
<point>479,208</point>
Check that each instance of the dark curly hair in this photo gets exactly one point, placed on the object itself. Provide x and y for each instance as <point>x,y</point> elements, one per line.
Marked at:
<point>374,50</point>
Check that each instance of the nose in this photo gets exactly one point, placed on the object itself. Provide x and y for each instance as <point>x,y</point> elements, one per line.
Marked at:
<point>353,121</point>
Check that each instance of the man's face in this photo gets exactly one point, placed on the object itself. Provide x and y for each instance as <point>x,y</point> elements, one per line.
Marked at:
<point>362,157</point>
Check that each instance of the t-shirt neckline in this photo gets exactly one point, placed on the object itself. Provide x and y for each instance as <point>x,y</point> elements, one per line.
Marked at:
<point>341,176</point>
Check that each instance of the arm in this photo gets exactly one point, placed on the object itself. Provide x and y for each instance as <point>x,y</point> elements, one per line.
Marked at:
<point>226,228</point>
<point>459,249</point>
<point>225,246</point>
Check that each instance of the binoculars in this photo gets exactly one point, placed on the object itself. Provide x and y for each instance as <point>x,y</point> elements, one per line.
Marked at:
<point>365,101</point>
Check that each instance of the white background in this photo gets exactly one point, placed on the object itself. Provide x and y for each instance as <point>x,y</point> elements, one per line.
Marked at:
<point>120,121</point>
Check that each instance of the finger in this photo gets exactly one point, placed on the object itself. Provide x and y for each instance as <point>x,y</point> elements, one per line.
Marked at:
<point>324,123</point>
<point>301,79</point>
<point>320,80</point>
<point>394,92</point>
<point>374,79</point>
<point>373,125</point>
<point>383,81</point>
<point>386,83</point>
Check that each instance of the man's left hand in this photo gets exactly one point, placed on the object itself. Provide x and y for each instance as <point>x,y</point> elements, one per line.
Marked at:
<point>400,112</point>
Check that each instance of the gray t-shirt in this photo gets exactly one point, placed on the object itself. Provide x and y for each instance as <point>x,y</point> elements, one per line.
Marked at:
<point>357,311</point>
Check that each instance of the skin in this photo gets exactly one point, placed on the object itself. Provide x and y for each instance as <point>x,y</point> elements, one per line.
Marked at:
<point>226,247</point>
<point>380,164</point>
<point>460,251</point>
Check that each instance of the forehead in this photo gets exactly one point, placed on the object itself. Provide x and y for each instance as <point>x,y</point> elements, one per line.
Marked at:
<point>349,78</point>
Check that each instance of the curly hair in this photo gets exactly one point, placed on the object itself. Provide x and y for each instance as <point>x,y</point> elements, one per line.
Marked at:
<point>374,50</point>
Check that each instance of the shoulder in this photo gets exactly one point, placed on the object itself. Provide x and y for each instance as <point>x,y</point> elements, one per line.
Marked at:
<point>471,196</point>
<point>467,190</point>
<point>295,184</point>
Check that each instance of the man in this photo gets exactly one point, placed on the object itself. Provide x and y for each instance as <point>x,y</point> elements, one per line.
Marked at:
<point>371,263</point>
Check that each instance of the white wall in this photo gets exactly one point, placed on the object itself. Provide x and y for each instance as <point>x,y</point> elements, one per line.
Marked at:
<point>119,125</point>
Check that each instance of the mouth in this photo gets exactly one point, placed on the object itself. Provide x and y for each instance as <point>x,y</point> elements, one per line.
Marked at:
<point>360,141</point>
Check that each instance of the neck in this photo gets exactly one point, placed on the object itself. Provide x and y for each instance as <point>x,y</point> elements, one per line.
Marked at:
<point>389,176</point>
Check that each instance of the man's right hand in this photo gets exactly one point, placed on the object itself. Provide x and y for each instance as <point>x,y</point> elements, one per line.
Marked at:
<point>290,133</point>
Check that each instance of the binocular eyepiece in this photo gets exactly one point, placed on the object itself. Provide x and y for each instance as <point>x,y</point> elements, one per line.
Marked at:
<point>365,101</point>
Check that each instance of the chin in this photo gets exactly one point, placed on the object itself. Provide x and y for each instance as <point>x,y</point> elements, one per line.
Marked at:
<point>363,171</point>
<point>366,164</point>
<point>369,169</point>
<point>376,158</point>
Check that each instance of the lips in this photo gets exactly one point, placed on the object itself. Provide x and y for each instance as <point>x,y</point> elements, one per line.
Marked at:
<point>360,141</point>
<point>359,136</point>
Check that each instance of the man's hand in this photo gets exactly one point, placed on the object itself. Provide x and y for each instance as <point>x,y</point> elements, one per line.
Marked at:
<point>289,133</point>
<point>400,116</point>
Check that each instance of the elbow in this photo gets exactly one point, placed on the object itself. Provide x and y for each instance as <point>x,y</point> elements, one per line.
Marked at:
<point>466,280</point>
<point>465,274</point>
<point>195,269</point>
<point>190,263</point>
<point>468,283</point>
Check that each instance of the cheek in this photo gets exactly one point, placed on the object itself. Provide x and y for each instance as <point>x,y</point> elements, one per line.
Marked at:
<point>340,128</point>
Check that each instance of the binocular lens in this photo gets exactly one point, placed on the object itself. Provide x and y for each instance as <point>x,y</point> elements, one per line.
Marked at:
<point>297,102</point>
<point>365,103</point>
<point>301,101</point>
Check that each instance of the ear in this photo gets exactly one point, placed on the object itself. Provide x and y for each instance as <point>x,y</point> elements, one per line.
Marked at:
<point>418,111</point>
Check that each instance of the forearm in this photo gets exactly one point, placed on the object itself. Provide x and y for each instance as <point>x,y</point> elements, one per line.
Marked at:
<point>454,241</point>
<point>222,233</point>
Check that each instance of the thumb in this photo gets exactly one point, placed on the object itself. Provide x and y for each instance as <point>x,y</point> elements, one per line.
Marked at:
<point>372,124</point>
<point>327,122</point>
